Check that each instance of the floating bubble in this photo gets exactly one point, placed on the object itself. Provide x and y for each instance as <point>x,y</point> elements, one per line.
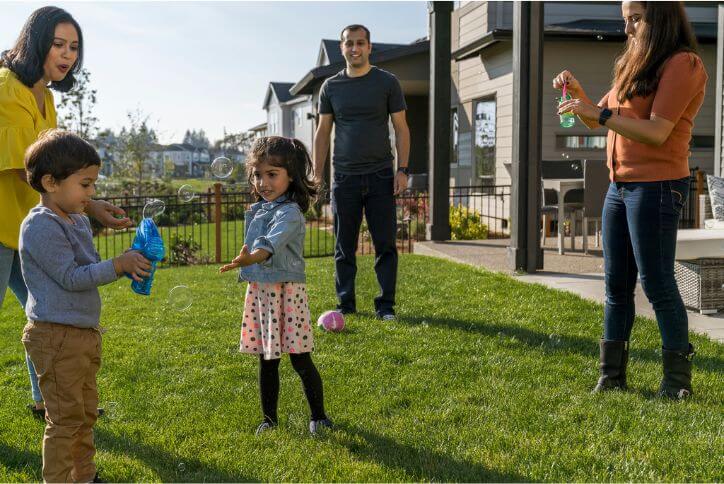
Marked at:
<point>575,166</point>
<point>186,193</point>
<point>153,208</point>
<point>111,410</point>
<point>222,167</point>
<point>180,298</point>
<point>554,339</point>
<point>599,37</point>
<point>181,467</point>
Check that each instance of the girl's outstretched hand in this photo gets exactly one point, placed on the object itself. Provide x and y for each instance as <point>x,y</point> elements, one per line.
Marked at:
<point>241,260</point>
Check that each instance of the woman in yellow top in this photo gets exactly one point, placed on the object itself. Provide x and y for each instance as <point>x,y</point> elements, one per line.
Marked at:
<point>49,50</point>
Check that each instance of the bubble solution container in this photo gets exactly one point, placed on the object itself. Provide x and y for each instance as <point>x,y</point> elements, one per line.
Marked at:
<point>568,120</point>
<point>149,243</point>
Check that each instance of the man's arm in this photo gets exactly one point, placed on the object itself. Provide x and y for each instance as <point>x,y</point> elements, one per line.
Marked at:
<point>321,145</point>
<point>402,143</point>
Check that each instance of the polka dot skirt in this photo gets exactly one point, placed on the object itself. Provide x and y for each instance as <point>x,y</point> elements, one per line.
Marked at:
<point>276,320</point>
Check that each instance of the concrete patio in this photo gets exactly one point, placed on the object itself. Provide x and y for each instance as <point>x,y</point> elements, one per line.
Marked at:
<point>574,272</point>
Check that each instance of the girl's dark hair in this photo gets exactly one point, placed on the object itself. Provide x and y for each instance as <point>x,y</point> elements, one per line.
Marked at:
<point>59,154</point>
<point>27,56</point>
<point>664,31</point>
<point>292,155</point>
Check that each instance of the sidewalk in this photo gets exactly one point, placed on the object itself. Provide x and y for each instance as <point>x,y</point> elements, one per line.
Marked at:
<point>573,272</point>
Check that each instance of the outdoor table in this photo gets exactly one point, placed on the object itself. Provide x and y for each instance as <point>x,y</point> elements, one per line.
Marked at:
<point>562,186</point>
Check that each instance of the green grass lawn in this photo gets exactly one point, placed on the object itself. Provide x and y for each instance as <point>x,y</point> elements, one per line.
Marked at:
<point>482,378</point>
<point>317,241</point>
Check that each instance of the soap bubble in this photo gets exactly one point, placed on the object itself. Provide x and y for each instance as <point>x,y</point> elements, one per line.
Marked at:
<point>153,208</point>
<point>599,37</point>
<point>180,298</point>
<point>181,467</point>
<point>111,410</point>
<point>222,167</point>
<point>186,193</point>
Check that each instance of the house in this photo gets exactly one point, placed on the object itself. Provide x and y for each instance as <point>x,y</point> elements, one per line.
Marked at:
<point>186,159</point>
<point>583,37</point>
<point>288,115</point>
<point>260,130</point>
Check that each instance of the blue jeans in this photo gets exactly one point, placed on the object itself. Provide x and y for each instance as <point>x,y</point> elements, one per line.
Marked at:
<point>372,194</point>
<point>640,221</point>
<point>10,276</point>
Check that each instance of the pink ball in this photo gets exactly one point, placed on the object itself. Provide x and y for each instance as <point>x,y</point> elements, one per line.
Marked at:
<point>331,321</point>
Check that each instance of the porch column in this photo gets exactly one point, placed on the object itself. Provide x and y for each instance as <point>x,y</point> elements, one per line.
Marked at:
<point>439,139</point>
<point>719,134</point>
<point>525,254</point>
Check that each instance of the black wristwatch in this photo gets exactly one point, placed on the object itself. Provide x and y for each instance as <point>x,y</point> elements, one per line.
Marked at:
<point>403,169</point>
<point>604,116</point>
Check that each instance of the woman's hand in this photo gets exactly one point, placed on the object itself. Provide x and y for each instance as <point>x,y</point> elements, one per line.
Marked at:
<point>587,112</point>
<point>104,212</point>
<point>574,87</point>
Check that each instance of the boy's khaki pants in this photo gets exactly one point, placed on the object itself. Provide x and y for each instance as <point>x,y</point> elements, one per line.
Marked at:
<point>67,360</point>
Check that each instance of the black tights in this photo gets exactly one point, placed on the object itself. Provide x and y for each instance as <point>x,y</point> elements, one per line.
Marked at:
<point>269,385</point>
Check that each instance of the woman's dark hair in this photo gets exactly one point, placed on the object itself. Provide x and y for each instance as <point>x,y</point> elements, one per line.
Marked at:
<point>664,31</point>
<point>290,154</point>
<point>27,56</point>
<point>59,154</point>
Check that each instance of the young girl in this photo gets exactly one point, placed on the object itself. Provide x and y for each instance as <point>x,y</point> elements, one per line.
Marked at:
<point>276,313</point>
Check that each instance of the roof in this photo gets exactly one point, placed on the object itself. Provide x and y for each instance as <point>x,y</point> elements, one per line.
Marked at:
<point>319,74</point>
<point>259,127</point>
<point>602,30</point>
<point>280,90</point>
<point>331,48</point>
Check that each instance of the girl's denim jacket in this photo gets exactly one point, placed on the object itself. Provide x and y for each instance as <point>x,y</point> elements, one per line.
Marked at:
<point>279,228</point>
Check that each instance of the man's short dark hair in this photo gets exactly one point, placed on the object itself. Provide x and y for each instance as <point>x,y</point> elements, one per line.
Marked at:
<point>355,27</point>
<point>59,154</point>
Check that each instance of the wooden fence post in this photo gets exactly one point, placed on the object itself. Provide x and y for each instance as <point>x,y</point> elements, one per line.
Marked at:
<point>217,219</point>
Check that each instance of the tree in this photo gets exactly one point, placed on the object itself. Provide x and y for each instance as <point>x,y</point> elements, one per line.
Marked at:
<point>135,144</point>
<point>197,139</point>
<point>75,110</point>
<point>240,141</point>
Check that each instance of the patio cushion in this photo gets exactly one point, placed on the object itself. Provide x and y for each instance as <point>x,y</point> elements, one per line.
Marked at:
<point>699,244</point>
<point>716,192</point>
<point>713,224</point>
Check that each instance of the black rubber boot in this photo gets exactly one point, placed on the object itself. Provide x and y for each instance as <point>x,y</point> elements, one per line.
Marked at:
<point>612,365</point>
<point>676,383</point>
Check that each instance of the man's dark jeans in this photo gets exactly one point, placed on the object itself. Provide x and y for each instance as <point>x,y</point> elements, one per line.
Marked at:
<point>640,221</point>
<point>351,196</point>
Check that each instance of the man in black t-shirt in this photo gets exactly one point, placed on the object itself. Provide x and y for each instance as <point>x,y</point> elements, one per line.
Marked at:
<point>358,102</point>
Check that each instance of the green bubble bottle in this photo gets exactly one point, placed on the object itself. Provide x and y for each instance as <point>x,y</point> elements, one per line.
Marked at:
<point>568,120</point>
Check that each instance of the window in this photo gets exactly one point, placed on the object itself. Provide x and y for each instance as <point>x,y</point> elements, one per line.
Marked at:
<point>485,138</point>
<point>454,131</point>
<point>701,142</point>
<point>584,142</point>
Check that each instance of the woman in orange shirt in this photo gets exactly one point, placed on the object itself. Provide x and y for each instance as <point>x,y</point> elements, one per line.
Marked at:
<point>656,93</point>
<point>49,50</point>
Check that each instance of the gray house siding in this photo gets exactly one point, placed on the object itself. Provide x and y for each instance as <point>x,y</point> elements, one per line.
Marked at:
<point>489,76</point>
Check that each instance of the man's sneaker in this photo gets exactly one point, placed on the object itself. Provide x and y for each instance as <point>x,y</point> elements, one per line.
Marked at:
<point>387,316</point>
<point>346,310</point>
<point>263,427</point>
<point>317,425</point>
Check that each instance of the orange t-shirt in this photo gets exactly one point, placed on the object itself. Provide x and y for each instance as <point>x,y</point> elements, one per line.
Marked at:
<point>678,97</point>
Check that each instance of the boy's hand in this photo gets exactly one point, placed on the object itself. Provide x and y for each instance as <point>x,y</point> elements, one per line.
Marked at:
<point>106,213</point>
<point>133,264</point>
<point>242,260</point>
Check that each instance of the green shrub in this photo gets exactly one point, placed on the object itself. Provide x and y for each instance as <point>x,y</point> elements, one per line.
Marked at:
<point>185,252</point>
<point>466,224</point>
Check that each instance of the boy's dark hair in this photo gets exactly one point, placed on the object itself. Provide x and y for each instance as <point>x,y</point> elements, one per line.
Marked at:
<point>290,154</point>
<point>59,154</point>
<point>27,56</point>
<point>355,27</point>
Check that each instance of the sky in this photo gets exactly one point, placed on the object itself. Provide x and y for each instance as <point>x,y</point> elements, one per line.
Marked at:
<point>207,65</point>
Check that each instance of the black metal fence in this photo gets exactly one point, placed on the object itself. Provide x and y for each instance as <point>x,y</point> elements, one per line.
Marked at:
<point>489,204</point>
<point>210,227</point>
